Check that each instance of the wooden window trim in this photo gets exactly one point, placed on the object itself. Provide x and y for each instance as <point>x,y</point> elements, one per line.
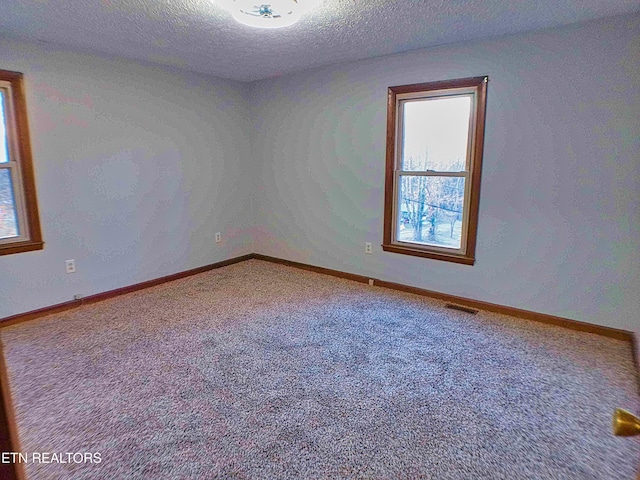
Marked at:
<point>27,176</point>
<point>468,258</point>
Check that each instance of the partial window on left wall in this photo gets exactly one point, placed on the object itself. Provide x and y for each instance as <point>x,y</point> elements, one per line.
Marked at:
<point>19,220</point>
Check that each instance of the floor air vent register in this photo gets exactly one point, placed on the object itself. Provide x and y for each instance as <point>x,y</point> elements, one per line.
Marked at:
<point>461,308</point>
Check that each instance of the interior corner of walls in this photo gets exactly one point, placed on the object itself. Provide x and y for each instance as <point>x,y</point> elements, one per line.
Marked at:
<point>512,146</point>
<point>92,118</point>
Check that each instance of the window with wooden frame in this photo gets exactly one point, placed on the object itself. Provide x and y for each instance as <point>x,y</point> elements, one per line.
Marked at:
<point>435,136</point>
<point>19,222</point>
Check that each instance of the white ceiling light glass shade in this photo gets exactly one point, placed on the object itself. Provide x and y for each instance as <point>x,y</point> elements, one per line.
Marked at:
<point>270,13</point>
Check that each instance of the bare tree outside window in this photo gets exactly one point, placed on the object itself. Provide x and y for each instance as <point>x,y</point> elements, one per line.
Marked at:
<point>8,223</point>
<point>431,207</point>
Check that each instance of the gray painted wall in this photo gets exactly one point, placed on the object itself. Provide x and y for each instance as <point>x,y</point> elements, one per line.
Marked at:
<point>137,167</point>
<point>559,226</point>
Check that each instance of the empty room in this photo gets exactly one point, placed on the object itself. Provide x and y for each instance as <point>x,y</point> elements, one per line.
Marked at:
<point>319,239</point>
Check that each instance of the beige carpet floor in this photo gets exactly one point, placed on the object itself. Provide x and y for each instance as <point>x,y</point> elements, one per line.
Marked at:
<point>260,371</point>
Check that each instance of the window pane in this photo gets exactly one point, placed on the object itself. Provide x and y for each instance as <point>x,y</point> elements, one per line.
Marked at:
<point>430,210</point>
<point>4,152</point>
<point>8,220</point>
<point>436,133</point>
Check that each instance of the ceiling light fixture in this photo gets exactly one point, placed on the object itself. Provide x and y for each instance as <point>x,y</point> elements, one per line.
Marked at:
<point>270,13</point>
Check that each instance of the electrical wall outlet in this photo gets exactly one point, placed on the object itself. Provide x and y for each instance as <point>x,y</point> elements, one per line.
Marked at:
<point>70,266</point>
<point>371,281</point>
<point>218,237</point>
<point>367,247</point>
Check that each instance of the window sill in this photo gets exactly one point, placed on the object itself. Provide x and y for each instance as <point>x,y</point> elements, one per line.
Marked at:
<point>463,259</point>
<point>20,247</point>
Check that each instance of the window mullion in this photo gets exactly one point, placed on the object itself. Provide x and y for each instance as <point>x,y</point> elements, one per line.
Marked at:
<point>433,173</point>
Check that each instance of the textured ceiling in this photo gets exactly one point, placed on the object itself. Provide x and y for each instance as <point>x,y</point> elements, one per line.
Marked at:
<point>200,35</point>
